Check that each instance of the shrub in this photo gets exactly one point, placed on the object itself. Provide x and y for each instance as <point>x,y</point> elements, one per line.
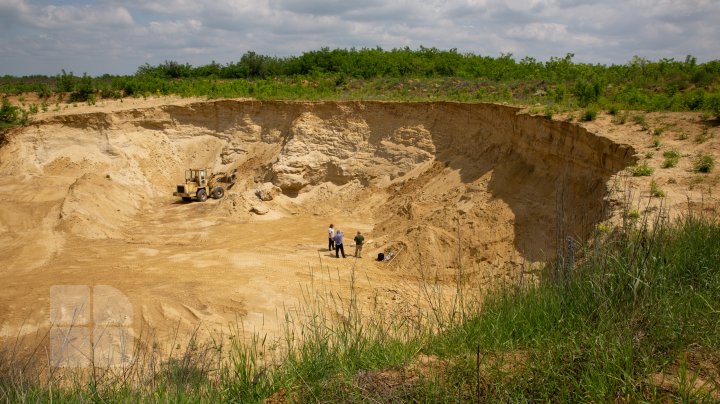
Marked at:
<point>549,112</point>
<point>8,113</point>
<point>641,170</point>
<point>703,136</point>
<point>589,114</point>
<point>656,142</point>
<point>65,82</point>
<point>655,190</point>
<point>84,91</point>
<point>704,163</point>
<point>712,104</point>
<point>587,92</point>
<point>640,120</point>
<point>621,118</point>
<point>671,158</point>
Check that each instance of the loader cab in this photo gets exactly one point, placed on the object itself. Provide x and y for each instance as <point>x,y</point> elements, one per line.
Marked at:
<point>199,176</point>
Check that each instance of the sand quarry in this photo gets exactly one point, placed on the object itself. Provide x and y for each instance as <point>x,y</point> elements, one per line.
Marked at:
<point>87,200</point>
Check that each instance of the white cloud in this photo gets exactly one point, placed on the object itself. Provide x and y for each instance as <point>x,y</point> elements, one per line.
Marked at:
<point>87,17</point>
<point>538,31</point>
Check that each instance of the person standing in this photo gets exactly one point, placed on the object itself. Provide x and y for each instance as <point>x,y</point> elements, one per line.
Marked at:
<point>331,236</point>
<point>339,243</point>
<point>359,241</point>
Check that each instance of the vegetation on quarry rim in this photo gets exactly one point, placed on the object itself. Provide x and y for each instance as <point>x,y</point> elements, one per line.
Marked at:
<point>425,74</point>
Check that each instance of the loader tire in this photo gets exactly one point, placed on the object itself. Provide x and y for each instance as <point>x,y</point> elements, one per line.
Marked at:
<point>201,195</point>
<point>218,192</point>
<point>186,199</point>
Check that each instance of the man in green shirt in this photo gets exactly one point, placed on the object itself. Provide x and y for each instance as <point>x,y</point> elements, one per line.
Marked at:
<point>359,241</point>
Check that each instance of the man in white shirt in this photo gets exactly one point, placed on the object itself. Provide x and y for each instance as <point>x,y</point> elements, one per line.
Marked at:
<point>331,237</point>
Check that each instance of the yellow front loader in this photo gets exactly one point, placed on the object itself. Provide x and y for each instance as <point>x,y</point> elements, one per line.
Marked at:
<point>200,183</point>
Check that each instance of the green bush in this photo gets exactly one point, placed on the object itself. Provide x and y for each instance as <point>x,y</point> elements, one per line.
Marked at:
<point>641,170</point>
<point>84,91</point>
<point>711,104</point>
<point>621,118</point>
<point>655,190</point>
<point>704,163</point>
<point>8,113</point>
<point>671,158</point>
<point>589,114</point>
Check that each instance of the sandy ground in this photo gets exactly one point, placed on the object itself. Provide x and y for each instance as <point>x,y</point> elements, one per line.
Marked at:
<point>86,194</point>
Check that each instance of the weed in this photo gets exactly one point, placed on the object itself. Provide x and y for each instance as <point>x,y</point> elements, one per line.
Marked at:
<point>704,163</point>
<point>549,112</point>
<point>671,158</point>
<point>658,131</point>
<point>703,136</point>
<point>655,190</point>
<point>621,118</point>
<point>640,119</point>
<point>656,142</point>
<point>641,170</point>
<point>589,114</point>
<point>682,136</point>
<point>649,155</point>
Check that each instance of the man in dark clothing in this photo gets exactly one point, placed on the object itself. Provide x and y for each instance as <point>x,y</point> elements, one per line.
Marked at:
<point>359,240</point>
<point>339,243</point>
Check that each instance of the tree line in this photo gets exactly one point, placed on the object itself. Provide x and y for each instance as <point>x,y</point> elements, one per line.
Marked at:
<point>407,74</point>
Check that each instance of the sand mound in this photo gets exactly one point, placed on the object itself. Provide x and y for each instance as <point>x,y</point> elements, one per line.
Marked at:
<point>97,207</point>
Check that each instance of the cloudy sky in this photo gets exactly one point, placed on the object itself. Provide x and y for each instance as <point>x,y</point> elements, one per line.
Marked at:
<point>117,36</point>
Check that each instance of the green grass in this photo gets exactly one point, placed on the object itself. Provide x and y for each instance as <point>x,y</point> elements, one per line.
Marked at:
<point>630,309</point>
<point>638,302</point>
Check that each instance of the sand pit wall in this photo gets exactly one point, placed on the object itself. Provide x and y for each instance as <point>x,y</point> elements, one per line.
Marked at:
<point>499,184</point>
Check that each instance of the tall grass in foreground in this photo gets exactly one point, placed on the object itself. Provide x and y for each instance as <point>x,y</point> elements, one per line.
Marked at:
<point>637,318</point>
<point>618,328</point>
